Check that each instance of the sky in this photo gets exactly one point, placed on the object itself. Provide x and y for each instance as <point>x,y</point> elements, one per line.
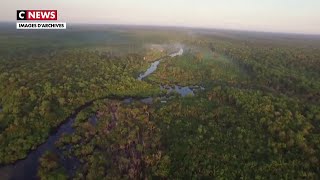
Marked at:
<point>292,16</point>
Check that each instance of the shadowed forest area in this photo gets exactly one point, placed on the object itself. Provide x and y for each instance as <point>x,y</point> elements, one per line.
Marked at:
<point>251,110</point>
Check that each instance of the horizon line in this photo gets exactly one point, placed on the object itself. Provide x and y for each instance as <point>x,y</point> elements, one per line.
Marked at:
<point>186,27</point>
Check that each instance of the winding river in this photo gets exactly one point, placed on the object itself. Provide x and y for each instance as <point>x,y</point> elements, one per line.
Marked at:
<point>27,168</point>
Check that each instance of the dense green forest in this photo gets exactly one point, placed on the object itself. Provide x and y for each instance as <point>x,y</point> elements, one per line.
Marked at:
<point>257,116</point>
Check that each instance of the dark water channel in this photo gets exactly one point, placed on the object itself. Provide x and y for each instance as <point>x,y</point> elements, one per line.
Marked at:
<point>27,168</point>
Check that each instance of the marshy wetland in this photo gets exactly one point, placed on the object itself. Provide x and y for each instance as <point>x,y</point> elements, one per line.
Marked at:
<point>130,102</point>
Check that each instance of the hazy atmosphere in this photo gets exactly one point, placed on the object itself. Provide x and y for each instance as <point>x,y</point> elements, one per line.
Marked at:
<point>294,16</point>
<point>166,89</point>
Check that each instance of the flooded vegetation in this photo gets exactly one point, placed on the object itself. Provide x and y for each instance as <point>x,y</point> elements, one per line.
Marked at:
<point>141,103</point>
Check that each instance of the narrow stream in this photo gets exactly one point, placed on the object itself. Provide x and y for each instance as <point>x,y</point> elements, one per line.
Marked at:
<point>27,168</point>
<point>150,70</point>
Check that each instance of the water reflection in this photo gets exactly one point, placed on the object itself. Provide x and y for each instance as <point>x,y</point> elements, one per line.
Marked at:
<point>150,70</point>
<point>155,64</point>
<point>182,91</point>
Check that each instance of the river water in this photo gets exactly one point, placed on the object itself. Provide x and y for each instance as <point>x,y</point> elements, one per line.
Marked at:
<point>150,70</point>
<point>27,168</point>
<point>155,64</point>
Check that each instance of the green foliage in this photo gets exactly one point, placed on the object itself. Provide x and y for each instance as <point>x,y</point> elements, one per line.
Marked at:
<point>231,133</point>
<point>50,168</point>
<point>258,117</point>
<point>198,66</point>
<point>40,91</point>
<point>124,144</point>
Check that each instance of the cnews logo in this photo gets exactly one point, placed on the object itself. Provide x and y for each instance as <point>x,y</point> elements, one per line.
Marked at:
<point>37,15</point>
